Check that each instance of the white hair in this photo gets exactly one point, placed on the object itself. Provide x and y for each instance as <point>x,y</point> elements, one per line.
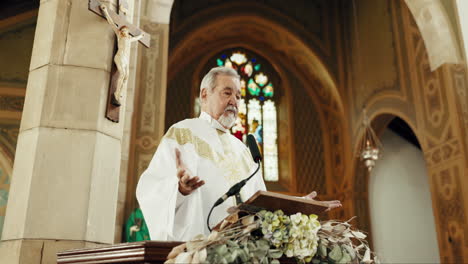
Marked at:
<point>209,81</point>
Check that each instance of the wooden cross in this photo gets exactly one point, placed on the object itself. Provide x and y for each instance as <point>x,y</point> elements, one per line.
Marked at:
<point>120,20</point>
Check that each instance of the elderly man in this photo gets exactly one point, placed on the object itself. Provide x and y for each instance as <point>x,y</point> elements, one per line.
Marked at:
<point>196,162</point>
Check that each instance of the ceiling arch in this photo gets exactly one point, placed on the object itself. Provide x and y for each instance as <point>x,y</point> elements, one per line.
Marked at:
<point>266,35</point>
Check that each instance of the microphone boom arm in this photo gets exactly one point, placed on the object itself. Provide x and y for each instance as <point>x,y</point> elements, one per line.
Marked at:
<point>235,189</point>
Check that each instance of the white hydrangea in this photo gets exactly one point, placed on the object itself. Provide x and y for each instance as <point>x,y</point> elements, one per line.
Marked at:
<point>303,239</point>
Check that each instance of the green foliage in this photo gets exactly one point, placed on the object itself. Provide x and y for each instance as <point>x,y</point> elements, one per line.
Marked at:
<point>338,254</point>
<point>254,251</point>
<point>265,237</point>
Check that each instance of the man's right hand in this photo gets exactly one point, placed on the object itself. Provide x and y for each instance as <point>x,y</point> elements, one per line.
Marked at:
<point>187,183</point>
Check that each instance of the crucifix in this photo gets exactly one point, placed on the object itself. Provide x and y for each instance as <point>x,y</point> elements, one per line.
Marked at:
<point>126,33</point>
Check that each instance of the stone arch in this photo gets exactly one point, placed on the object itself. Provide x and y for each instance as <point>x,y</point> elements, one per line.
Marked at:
<point>288,49</point>
<point>438,32</point>
<point>229,30</point>
<point>428,103</point>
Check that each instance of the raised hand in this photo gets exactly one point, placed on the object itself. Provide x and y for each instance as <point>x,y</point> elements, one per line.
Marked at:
<point>187,183</point>
<point>331,204</point>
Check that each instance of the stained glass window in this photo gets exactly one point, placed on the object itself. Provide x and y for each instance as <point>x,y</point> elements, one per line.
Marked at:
<point>257,108</point>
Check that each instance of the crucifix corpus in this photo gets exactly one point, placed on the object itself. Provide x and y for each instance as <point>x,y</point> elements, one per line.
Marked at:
<point>126,34</point>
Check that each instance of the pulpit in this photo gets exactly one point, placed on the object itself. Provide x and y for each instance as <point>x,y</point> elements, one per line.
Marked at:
<point>135,253</point>
<point>156,252</point>
<point>147,252</point>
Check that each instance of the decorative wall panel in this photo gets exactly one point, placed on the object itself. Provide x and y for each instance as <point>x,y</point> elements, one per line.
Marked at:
<point>308,141</point>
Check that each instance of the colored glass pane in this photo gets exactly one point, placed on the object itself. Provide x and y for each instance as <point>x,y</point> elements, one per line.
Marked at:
<point>268,90</point>
<point>253,88</point>
<point>257,112</point>
<point>239,130</point>
<point>228,63</point>
<point>248,69</point>
<point>270,149</point>
<point>255,119</point>
<point>238,58</point>
<point>243,87</point>
<point>242,107</point>
<point>261,79</point>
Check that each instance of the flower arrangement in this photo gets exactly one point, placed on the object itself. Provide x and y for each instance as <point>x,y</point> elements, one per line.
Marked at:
<point>267,236</point>
<point>295,235</point>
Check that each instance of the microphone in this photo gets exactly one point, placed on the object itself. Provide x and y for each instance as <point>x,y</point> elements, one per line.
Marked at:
<point>235,189</point>
<point>252,144</point>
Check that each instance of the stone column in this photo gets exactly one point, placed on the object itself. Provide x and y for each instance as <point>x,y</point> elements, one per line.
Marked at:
<point>65,179</point>
<point>127,127</point>
<point>150,95</point>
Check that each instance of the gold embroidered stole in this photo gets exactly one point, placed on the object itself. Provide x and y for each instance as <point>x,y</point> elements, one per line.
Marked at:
<point>235,167</point>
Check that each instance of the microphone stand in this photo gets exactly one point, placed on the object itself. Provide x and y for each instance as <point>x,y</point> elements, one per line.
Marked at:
<point>235,189</point>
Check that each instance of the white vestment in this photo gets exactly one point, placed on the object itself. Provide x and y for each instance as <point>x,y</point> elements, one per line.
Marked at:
<point>208,151</point>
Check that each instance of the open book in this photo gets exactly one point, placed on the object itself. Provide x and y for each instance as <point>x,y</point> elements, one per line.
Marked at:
<point>289,204</point>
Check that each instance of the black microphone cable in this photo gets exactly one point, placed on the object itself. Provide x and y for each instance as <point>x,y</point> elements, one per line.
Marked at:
<point>235,189</point>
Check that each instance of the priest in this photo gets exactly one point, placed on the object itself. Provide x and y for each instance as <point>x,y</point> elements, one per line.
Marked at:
<point>196,162</point>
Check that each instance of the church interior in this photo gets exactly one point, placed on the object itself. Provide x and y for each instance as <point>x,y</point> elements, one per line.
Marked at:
<point>321,80</point>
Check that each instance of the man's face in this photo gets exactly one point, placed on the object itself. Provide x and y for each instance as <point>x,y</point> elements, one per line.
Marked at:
<point>222,103</point>
<point>124,31</point>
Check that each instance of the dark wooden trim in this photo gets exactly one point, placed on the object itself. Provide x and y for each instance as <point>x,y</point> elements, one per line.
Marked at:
<point>138,252</point>
<point>147,252</point>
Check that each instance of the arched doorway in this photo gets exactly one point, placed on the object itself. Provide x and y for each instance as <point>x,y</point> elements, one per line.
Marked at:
<point>400,204</point>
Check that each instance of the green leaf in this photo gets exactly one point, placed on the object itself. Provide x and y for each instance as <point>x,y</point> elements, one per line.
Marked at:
<point>231,243</point>
<point>336,253</point>
<point>244,255</point>
<point>322,250</point>
<point>221,250</point>
<point>264,260</point>
<point>230,258</point>
<point>251,246</point>
<point>259,254</point>
<point>263,245</point>
<point>350,251</point>
<point>275,261</point>
<point>275,253</point>
<point>345,259</point>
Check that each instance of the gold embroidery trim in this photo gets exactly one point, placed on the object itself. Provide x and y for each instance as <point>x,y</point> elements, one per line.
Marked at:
<point>236,167</point>
<point>184,136</point>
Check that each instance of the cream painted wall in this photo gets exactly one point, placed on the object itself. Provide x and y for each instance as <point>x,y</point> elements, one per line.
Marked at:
<point>401,214</point>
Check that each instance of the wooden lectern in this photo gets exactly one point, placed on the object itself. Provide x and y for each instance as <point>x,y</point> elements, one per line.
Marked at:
<point>144,252</point>
<point>149,252</point>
